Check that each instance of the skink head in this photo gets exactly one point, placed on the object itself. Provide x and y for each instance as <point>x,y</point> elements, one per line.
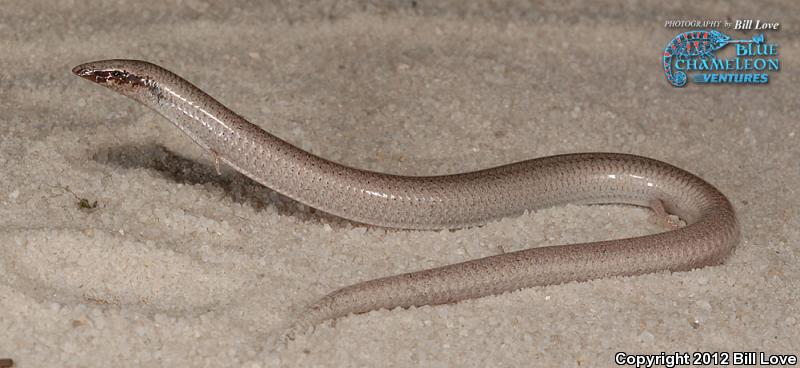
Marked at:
<point>120,75</point>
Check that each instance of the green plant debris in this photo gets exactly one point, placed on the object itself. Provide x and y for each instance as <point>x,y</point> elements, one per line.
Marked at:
<point>83,203</point>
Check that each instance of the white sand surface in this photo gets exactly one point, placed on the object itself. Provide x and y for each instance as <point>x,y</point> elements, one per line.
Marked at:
<point>178,266</point>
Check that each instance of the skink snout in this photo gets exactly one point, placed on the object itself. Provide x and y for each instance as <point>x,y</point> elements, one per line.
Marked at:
<point>85,73</point>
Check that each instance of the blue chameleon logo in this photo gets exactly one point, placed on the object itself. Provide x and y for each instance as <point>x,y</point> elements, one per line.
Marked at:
<point>696,44</point>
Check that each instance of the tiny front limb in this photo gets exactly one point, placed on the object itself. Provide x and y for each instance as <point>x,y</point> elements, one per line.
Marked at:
<point>664,218</point>
<point>216,161</point>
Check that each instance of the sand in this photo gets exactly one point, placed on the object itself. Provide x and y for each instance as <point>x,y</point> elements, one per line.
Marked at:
<point>178,266</point>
